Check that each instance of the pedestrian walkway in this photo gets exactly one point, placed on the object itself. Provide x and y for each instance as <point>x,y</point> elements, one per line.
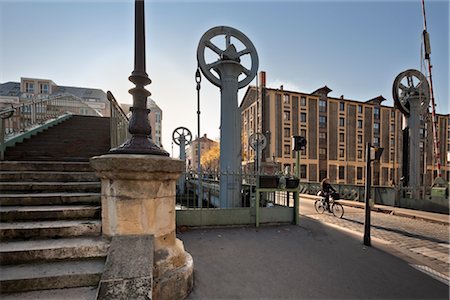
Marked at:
<point>309,261</point>
<point>404,212</point>
<point>423,240</point>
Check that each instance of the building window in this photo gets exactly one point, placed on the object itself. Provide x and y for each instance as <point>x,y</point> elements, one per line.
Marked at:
<point>44,88</point>
<point>303,133</point>
<point>360,124</point>
<point>341,172</point>
<point>323,151</point>
<point>359,173</point>
<point>341,106</point>
<point>341,137</point>
<point>302,101</point>
<point>287,116</point>
<point>303,117</point>
<point>376,128</point>
<point>286,99</point>
<point>287,150</point>
<point>393,114</point>
<point>392,127</point>
<point>359,109</point>
<point>376,141</point>
<point>376,112</point>
<point>322,135</point>
<point>360,139</point>
<point>360,154</point>
<point>287,132</point>
<point>322,105</point>
<point>341,122</point>
<point>322,121</point>
<point>341,153</point>
<point>303,171</point>
<point>29,87</point>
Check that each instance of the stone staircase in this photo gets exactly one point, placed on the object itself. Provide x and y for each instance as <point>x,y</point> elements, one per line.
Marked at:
<point>75,139</point>
<point>50,214</point>
<point>50,229</point>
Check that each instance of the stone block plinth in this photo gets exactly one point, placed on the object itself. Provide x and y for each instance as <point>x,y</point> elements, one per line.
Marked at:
<point>138,198</point>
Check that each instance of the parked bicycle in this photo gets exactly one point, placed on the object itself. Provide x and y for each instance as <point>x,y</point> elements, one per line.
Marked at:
<point>333,207</point>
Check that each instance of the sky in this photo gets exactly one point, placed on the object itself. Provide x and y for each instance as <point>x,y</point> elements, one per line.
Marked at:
<point>356,48</point>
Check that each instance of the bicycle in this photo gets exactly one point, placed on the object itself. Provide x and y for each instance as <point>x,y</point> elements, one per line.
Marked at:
<point>336,208</point>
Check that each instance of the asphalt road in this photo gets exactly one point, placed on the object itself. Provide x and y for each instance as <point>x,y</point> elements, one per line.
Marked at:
<point>309,261</point>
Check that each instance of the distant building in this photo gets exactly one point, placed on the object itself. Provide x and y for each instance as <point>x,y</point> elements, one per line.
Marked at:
<point>33,89</point>
<point>155,118</point>
<point>337,130</point>
<point>192,150</point>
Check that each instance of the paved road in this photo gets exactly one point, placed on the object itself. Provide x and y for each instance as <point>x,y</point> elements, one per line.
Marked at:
<point>423,244</point>
<point>309,261</point>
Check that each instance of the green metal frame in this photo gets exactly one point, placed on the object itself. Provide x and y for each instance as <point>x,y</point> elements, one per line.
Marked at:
<point>269,190</point>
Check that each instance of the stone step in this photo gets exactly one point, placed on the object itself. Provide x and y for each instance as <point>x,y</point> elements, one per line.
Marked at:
<point>49,212</point>
<point>49,199</point>
<point>53,275</point>
<point>79,293</point>
<point>49,229</point>
<point>17,252</point>
<point>41,187</point>
<point>45,166</point>
<point>14,176</point>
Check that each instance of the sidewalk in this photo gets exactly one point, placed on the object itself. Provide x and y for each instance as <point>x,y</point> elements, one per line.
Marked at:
<point>309,261</point>
<point>403,212</point>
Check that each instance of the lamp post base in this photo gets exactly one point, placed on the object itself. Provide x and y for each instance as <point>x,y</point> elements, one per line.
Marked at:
<point>138,145</point>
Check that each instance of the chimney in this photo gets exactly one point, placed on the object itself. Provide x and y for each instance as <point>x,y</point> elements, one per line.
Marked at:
<point>281,87</point>
<point>262,79</point>
<point>342,96</point>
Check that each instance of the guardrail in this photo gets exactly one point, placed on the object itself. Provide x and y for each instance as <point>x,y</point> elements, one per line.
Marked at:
<point>19,119</point>
<point>118,122</point>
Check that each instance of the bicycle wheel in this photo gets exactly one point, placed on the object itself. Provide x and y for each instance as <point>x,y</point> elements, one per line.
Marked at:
<point>318,205</point>
<point>338,210</point>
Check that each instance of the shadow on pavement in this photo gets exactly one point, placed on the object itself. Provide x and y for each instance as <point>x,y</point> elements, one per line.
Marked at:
<point>309,261</point>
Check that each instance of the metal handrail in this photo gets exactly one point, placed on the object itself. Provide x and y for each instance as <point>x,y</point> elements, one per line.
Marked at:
<point>118,122</point>
<point>25,116</point>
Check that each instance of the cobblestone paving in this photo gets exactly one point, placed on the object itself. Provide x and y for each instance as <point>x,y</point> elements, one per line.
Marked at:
<point>426,241</point>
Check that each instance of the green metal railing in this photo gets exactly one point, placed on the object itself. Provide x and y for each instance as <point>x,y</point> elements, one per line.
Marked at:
<point>20,121</point>
<point>118,122</point>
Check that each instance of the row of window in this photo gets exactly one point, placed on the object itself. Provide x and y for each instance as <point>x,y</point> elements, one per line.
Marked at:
<point>43,88</point>
<point>341,172</point>
<point>323,105</point>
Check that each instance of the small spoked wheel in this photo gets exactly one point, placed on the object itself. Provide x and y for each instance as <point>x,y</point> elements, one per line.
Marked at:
<point>181,133</point>
<point>319,206</point>
<point>337,209</point>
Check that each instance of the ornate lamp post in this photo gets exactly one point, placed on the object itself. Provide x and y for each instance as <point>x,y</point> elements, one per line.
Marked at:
<point>139,126</point>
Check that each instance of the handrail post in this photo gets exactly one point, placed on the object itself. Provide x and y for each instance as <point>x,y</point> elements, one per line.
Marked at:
<point>2,139</point>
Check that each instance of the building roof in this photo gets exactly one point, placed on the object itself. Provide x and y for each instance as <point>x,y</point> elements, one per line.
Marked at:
<point>13,89</point>
<point>322,91</point>
<point>10,89</point>
<point>204,139</point>
<point>83,93</point>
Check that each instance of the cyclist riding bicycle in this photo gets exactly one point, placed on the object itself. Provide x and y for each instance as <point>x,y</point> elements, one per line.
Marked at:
<point>327,190</point>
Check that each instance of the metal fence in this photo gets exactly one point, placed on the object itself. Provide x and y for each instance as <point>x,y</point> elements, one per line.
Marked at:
<point>118,122</point>
<point>189,198</point>
<point>35,113</point>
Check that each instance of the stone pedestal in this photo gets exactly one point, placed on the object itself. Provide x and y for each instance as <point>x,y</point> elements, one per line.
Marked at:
<point>138,198</point>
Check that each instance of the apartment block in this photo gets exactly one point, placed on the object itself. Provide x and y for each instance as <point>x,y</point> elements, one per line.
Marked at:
<point>36,89</point>
<point>337,132</point>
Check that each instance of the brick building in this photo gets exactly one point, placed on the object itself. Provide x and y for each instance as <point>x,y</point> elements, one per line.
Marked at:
<point>337,130</point>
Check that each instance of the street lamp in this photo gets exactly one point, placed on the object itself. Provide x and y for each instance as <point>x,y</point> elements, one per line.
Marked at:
<point>139,125</point>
